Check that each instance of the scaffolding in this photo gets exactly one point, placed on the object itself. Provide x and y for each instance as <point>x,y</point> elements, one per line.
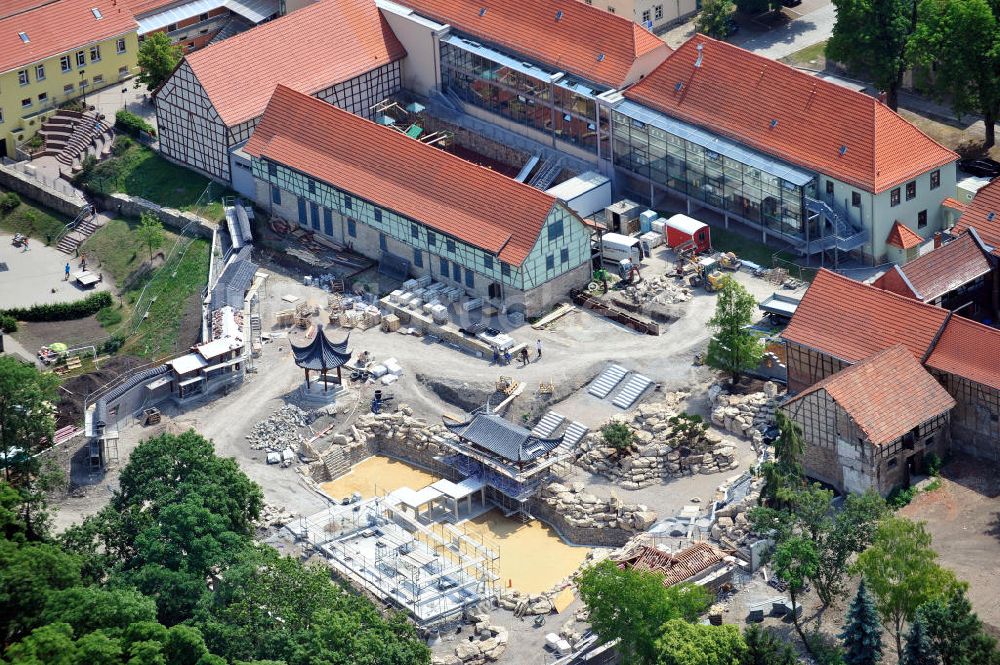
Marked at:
<point>435,572</point>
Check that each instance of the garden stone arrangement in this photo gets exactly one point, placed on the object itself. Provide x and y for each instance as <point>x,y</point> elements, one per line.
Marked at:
<point>745,415</point>
<point>656,444</point>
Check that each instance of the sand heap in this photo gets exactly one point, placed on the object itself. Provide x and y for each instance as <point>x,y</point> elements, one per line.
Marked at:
<point>745,415</point>
<point>668,444</point>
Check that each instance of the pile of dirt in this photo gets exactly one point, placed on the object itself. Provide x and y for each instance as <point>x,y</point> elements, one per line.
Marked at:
<point>74,390</point>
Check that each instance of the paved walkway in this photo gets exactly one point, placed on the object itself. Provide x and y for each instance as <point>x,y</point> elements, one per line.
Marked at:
<point>124,96</point>
<point>795,35</point>
<point>36,276</point>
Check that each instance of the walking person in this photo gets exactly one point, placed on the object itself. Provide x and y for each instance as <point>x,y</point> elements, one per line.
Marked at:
<point>506,356</point>
<point>496,356</point>
<point>67,272</point>
<point>525,358</point>
<point>25,244</point>
<point>538,348</point>
<point>83,262</point>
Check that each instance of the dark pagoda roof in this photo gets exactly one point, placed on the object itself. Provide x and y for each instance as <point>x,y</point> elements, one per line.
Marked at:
<point>502,437</point>
<point>321,353</point>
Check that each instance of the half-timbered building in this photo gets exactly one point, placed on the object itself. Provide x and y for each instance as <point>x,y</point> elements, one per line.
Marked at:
<point>341,51</point>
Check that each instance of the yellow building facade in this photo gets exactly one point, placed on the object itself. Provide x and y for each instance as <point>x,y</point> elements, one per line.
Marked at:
<point>53,68</point>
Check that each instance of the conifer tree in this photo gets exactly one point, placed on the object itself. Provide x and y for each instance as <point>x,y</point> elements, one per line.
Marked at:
<point>918,649</point>
<point>862,633</point>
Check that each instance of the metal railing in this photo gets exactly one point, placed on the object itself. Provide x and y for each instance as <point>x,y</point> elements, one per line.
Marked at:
<point>86,213</point>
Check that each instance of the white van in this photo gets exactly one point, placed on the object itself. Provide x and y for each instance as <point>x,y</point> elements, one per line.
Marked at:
<point>616,247</point>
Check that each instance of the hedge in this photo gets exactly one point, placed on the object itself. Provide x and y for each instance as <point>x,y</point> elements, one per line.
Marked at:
<point>8,324</point>
<point>63,311</point>
<point>130,123</point>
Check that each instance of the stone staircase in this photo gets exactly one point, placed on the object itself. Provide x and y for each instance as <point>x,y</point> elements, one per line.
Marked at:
<point>70,135</point>
<point>548,425</point>
<point>335,463</point>
<point>78,231</point>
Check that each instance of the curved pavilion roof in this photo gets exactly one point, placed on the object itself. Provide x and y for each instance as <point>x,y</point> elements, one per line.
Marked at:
<point>322,354</point>
<point>502,437</point>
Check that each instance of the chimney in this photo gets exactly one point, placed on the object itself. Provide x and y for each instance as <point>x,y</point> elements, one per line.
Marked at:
<point>937,240</point>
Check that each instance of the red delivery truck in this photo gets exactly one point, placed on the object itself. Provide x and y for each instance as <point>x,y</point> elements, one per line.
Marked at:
<point>681,229</point>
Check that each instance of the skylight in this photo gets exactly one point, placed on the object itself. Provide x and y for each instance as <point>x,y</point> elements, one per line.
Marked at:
<point>97,13</point>
<point>24,37</point>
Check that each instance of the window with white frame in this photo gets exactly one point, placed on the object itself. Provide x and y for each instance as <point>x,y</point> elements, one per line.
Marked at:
<point>68,88</point>
<point>43,97</point>
<point>26,103</point>
<point>39,72</point>
<point>123,71</point>
<point>64,63</point>
<point>81,58</point>
<point>646,16</point>
<point>1,116</point>
<point>658,12</point>
<point>120,46</point>
<point>95,53</point>
<point>99,79</point>
<point>23,78</point>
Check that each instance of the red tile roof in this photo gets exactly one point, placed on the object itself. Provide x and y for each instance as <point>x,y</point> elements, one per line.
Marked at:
<point>903,237</point>
<point>983,214</point>
<point>384,166</point>
<point>310,49</point>
<point>886,395</point>
<point>954,204</point>
<point>945,268</point>
<point>58,27</point>
<point>970,350</point>
<point>574,43</point>
<point>850,320</point>
<point>739,94</point>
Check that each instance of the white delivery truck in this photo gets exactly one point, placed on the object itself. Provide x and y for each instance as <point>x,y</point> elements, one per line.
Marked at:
<point>616,247</point>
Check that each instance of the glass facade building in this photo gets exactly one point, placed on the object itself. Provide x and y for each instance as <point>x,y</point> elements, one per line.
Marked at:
<point>724,175</point>
<point>551,102</point>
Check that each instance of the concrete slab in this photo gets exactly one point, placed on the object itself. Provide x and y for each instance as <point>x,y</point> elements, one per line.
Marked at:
<point>37,276</point>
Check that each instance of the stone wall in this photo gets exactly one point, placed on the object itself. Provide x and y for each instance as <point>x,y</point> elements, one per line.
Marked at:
<point>487,644</point>
<point>745,415</point>
<point>586,519</point>
<point>664,449</point>
<point>12,179</point>
<point>134,206</point>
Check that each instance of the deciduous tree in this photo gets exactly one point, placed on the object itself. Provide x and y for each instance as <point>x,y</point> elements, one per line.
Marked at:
<point>150,232</point>
<point>957,42</point>
<point>795,561</point>
<point>734,348</point>
<point>873,36</point>
<point>902,572</point>
<point>713,20</point>
<point>684,643</point>
<point>632,606</point>
<point>158,56</point>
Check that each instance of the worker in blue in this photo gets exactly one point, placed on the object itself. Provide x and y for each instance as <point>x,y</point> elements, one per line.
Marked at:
<point>67,272</point>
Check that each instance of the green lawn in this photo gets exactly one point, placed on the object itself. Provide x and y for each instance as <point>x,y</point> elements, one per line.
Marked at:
<point>139,171</point>
<point>176,294</point>
<point>33,220</point>
<point>118,251</point>
<point>811,57</point>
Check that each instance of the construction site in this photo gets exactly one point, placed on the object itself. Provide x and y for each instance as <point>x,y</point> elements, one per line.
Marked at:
<point>443,461</point>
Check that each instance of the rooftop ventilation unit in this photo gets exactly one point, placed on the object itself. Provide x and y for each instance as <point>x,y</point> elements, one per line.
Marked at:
<point>843,150</point>
<point>701,55</point>
<point>97,13</point>
<point>24,37</point>
<point>559,15</point>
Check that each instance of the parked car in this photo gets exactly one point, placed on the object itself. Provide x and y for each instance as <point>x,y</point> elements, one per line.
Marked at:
<point>982,167</point>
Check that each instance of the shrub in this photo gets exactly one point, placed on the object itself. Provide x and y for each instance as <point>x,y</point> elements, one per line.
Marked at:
<point>64,311</point>
<point>9,201</point>
<point>121,145</point>
<point>112,344</point>
<point>824,650</point>
<point>109,316</point>
<point>8,323</point>
<point>934,464</point>
<point>130,123</point>
<point>901,497</point>
<point>618,436</point>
